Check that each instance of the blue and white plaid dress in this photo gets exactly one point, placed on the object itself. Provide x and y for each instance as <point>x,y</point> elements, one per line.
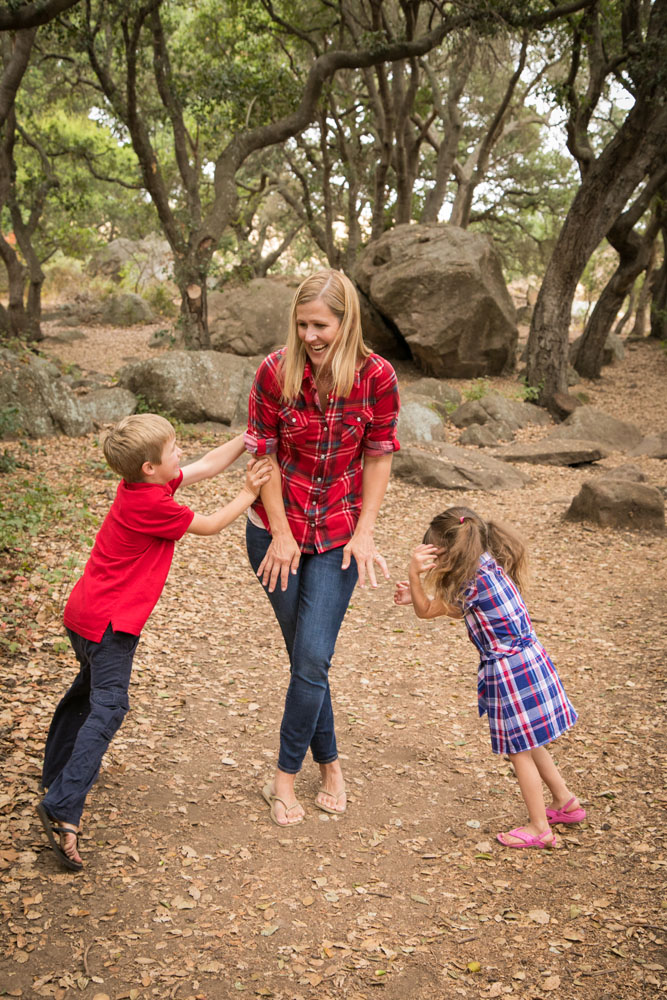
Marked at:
<point>518,686</point>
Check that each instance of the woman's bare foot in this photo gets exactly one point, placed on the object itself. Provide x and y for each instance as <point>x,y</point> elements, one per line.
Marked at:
<point>69,842</point>
<point>331,797</point>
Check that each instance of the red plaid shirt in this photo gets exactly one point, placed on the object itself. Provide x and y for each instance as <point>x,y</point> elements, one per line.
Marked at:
<point>320,453</point>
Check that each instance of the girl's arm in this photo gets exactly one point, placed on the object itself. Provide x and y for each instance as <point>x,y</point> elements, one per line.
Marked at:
<point>214,461</point>
<point>362,544</point>
<point>423,559</point>
<point>283,554</point>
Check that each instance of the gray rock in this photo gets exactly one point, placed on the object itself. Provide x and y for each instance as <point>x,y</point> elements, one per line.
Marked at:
<point>194,385</point>
<point>450,468</point>
<point>445,397</point>
<point>149,260</point>
<point>252,318</point>
<point>589,424</point>
<point>442,289</point>
<point>617,503</point>
<point>652,446</point>
<point>108,406</point>
<point>419,421</point>
<point>480,435</point>
<point>612,351</point>
<point>627,471</point>
<point>67,336</point>
<point>496,408</point>
<point>44,402</point>
<point>126,309</point>
<point>549,452</point>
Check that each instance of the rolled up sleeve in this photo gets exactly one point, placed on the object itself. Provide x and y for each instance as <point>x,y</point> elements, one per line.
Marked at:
<point>380,436</point>
<point>261,437</point>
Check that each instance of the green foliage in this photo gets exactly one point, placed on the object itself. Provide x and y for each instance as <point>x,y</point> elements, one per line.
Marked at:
<point>531,393</point>
<point>32,507</point>
<point>478,389</point>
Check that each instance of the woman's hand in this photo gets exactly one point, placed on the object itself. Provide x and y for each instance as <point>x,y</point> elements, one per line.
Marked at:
<point>402,594</point>
<point>424,558</point>
<point>362,547</point>
<point>282,558</point>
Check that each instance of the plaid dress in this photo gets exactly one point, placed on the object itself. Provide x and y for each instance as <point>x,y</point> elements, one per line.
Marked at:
<point>518,686</point>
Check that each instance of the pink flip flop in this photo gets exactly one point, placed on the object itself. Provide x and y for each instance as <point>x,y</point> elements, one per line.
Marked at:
<point>563,816</point>
<point>528,839</point>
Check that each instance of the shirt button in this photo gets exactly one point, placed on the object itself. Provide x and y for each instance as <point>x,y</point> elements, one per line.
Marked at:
<point>293,420</point>
<point>358,418</point>
<point>319,479</point>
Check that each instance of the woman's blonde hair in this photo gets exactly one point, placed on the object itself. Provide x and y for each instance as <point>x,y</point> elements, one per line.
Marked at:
<point>338,293</point>
<point>136,439</point>
<point>465,536</point>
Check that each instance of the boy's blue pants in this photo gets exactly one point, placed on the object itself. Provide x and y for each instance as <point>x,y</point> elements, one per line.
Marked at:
<point>86,720</point>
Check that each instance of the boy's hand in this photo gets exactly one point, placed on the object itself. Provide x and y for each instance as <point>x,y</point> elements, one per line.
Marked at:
<point>424,558</point>
<point>258,472</point>
<point>402,595</point>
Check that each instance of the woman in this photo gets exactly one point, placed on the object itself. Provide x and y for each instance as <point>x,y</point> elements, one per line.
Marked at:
<point>317,407</point>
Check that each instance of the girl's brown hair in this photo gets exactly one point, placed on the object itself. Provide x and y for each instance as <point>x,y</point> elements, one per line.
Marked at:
<point>338,293</point>
<point>465,536</point>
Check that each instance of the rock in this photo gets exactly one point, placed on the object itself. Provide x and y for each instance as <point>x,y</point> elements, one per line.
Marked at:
<point>194,385</point>
<point>379,334</point>
<point>653,446</point>
<point>496,408</point>
<point>627,471</point>
<point>445,397</point>
<point>418,420</point>
<point>126,309</point>
<point>252,318</point>
<point>442,289</point>
<point>108,406</point>
<point>590,424</point>
<point>550,452</point>
<point>149,260</point>
<point>45,404</point>
<point>563,404</point>
<point>450,468</point>
<point>480,435</point>
<point>67,336</point>
<point>612,351</point>
<point>617,503</point>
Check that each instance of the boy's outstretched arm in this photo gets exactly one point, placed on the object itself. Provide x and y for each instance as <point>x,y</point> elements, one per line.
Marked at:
<point>258,472</point>
<point>214,461</point>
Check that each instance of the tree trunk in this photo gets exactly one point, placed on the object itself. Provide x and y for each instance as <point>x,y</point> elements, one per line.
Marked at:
<point>604,190</point>
<point>17,318</point>
<point>191,280</point>
<point>638,331</point>
<point>659,303</point>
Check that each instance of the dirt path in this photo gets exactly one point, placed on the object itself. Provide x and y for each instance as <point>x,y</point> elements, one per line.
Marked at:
<point>190,892</point>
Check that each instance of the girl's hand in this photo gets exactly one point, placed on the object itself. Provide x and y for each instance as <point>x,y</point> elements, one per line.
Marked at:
<point>402,594</point>
<point>258,472</point>
<point>362,547</point>
<point>282,558</point>
<point>424,558</point>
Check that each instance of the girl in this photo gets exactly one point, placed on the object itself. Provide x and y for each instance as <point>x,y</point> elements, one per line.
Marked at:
<point>325,409</point>
<point>476,568</point>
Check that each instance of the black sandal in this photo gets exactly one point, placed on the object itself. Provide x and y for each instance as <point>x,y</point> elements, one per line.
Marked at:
<point>52,832</point>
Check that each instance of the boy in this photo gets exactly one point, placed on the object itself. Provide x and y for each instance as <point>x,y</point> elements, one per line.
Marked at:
<point>111,602</point>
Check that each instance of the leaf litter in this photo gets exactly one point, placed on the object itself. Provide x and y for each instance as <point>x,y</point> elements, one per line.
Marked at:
<point>189,891</point>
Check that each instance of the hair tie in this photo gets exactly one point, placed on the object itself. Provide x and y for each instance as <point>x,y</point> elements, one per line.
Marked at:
<point>461,520</point>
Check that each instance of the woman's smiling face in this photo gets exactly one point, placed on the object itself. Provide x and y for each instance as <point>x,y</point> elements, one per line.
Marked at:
<point>318,329</point>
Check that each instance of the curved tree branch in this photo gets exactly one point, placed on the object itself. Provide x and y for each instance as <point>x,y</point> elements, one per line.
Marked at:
<point>31,15</point>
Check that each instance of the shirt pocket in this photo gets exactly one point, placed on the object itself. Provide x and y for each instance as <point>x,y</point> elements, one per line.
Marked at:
<point>293,424</point>
<point>354,422</point>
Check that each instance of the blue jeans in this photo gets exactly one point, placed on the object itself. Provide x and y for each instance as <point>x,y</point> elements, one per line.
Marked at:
<point>86,720</point>
<point>309,613</point>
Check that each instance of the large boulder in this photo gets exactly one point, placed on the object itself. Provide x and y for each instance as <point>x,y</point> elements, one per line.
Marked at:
<point>45,405</point>
<point>126,309</point>
<point>148,261</point>
<point>194,385</point>
<point>549,452</point>
<point>444,397</point>
<point>252,318</point>
<point>618,503</point>
<point>108,406</point>
<point>590,424</point>
<point>442,289</point>
<point>447,467</point>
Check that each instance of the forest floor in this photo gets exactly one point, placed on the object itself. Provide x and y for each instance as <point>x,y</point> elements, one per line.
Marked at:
<point>189,891</point>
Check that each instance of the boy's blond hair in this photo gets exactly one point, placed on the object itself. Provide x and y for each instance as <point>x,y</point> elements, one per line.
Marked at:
<point>136,439</point>
<point>338,293</point>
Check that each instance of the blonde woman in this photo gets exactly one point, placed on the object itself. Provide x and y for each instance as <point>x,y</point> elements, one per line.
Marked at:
<point>325,409</point>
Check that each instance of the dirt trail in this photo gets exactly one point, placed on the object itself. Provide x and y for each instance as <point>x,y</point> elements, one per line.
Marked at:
<point>190,892</point>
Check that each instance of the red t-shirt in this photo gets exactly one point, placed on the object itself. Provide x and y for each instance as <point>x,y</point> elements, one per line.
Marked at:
<point>130,560</point>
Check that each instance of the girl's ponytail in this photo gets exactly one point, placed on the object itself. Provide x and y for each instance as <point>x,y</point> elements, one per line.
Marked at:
<point>509,552</point>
